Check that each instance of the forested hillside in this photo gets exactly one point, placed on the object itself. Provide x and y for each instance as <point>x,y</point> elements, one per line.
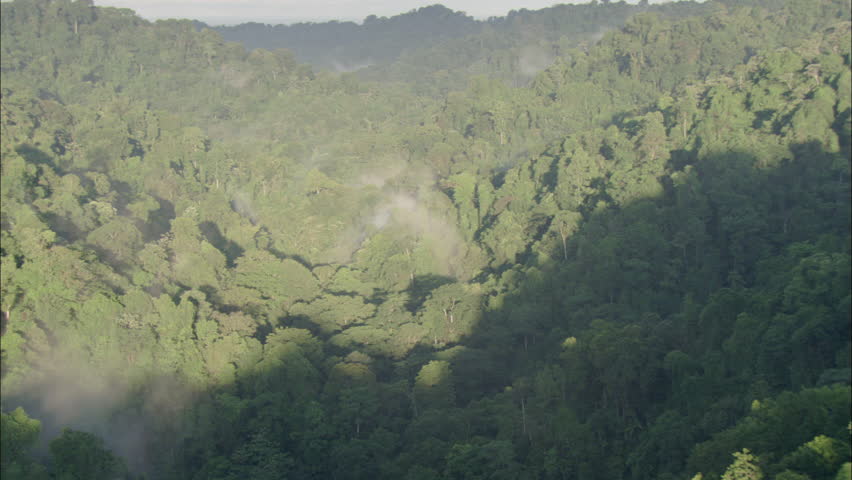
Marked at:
<point>447,47</point>
<point>220,263</point>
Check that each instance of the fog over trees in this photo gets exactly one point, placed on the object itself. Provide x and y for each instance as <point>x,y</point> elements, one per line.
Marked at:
<point>601,241</point>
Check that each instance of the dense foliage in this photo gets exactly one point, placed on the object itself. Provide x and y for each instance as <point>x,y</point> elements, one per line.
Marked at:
<point>435,49</point>
<point>220,263</point>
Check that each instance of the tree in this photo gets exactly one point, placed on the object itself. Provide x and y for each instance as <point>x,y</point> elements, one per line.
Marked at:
<point>819,458</point>
<point>845,472</point>
<point>283,281</point>
<point>118,238</point>
<point>464,196</point>
<point>744,467</point>
<point>260,458</point>
<point>82,456</point>
<point>195,262</point>
<point>433,387</point>
<point>494,460</point>
<point>317,182</point>
<point>652,136</point>
<point>334,312</point>
<point>564,224</point>
<point>18,434</point>
<point>357,406</point>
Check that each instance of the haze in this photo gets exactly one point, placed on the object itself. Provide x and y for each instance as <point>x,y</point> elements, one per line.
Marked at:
<point>229,12</point>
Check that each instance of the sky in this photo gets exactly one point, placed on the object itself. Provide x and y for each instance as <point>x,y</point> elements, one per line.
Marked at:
<point>217,12</point>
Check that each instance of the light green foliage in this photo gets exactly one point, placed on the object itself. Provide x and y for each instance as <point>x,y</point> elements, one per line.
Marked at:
<point>281,281</point>
<point>406,337</point>
<point>563,225</point>
<point>373,340</point>
<point>227,354</point>
<point>317,182</point>
<point>576,174</point>
<point>118,238</point>
<point>743,468</point>
<point>451,312</point>
<point>388,263</point>
<point>348,375</point>
<point>19,434</point>
<point>813,119</point>
<point>347,280</point>
<point>789,475</point>
<point>334,312</point>
<point>464,196</point>
<point>818,458</point>
<point>433,387</point>
<point>666,186</point>
<point>727,118</point>
<point>652,137</point>
<point>310,346</point>
<point>507,238</point>
<point>286,367</point>
<point>143,208</point>
<point>772,428</point>
<point>195,262</point>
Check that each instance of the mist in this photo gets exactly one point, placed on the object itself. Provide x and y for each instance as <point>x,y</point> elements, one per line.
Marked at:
<point>407,202</point>
<point>534,59</point>
<point>69,392</point>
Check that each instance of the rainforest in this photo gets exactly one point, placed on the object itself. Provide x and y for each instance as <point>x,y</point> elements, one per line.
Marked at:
<point>595,241</point>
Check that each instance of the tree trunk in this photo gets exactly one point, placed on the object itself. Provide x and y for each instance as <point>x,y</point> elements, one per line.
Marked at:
<point>524,420</point>
<point>414,404</point>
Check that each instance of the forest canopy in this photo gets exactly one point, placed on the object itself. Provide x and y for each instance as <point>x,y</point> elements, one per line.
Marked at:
<point>601,241</point>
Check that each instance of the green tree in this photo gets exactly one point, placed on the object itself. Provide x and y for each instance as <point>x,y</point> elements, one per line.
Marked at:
<point>334,312</point>
<point>282,281</point>
<point>492,460</point>
<point>81,455</point>
<point>433,387</point>
<point>744,467</point>
<point>19,433</point>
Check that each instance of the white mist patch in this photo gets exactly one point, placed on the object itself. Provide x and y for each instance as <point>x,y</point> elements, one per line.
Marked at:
<point>437,234</point>
<point>347,67</point>
<point>597,36</point>
<point>407,202</point>
<point>534,59</point>
<point>242,204</point>
<point>379,179</point>
<point>233,77</point>
<point>65,391</point>
<point>381,218</point>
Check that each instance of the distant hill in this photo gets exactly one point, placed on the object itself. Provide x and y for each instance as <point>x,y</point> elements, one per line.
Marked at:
<point>543,246</point>
<point>415,46</point>
<point>344,45</point>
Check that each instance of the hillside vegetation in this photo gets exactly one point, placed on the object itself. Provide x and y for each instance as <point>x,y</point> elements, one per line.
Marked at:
<point>631,261</point>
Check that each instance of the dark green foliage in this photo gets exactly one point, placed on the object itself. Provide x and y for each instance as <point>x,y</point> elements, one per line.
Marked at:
<point>80,455</point>
<point>529,249</point>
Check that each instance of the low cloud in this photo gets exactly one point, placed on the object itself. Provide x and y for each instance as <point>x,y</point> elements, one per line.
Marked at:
<point>534,59</point>
<point>408,202</point>
<point>64,391</point>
